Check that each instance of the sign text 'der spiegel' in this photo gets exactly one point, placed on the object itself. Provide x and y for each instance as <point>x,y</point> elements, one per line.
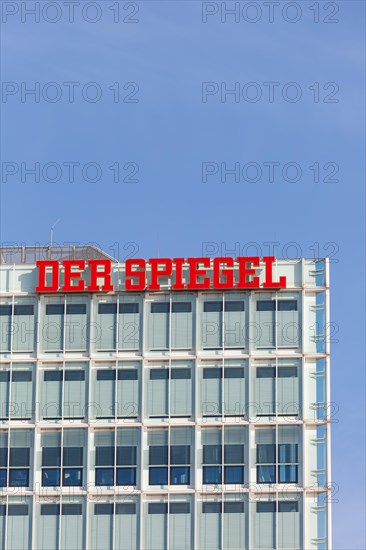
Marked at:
<point>184,274</point>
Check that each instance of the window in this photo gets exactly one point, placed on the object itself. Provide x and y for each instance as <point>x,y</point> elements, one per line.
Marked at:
<point>222,524</point>
<point>285,529</point>
<point>223,464</point>
<point>278,462</point>
<point>223,389</point>
<point>170,465</point>
<point>178,381</point>
<point>170,325</point>
<point>169,525</point>
<point>15,461</point>
<point>277,389</point>
<point>223,323</point>
<point>18,329</point>
<point>277,323</point>
<point>117,393</point>
<point>71,458</point>
<point>64,326</point>
<point>129,326</point>
<point>20,386</point>
<point>116,466</point>
<point>63,392</point>
<point>54,519</point>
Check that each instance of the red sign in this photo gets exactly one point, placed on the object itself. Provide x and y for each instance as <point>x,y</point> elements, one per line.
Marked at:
<point>203,273</point>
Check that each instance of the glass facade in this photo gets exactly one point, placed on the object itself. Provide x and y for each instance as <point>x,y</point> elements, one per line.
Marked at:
<point>167,420</point>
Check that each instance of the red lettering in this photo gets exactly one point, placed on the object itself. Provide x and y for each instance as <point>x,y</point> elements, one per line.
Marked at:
<point>156,272</point>
<point>132,274</point>
<point>42,272</point>
<point>246,272</point>
<point>104,274</point>
<point>228,274</point>
<point>69,275</point>
<point>178,284</point>
<point>195,271</point>
<point>269,283</point>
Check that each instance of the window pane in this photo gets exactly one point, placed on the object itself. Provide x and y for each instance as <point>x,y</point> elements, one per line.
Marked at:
<point>73,477</point>
<point>180,454</point>
<point>51,456</point>
<point>127,374</point>
<point>73,456</point>
<point>266,474</point>
<point>128,308</point>
<point>179,475</point>
<point>104,456</point>
<point>104,476</point>
<point>212,454</point>
<point>3,478</point>
<point>54,309</point>
<point>233,474</point>
<point>76,309</point>
<point>212,474</point>
<point>126,476</point>
<point>234,454</point>
<point>159,374</point>
<point>212,307</point>
<point>266,452</point>
<point>51,477</point>
<point>212,373</point>
<point>160,307</point>
<point>287,474</point>
<point>19,478</point>
<point>287,305</point>
<point>158,476</point>
<point>126,456</point>
<point>106,309</point>
<point>234,306</point>
<point>50,509</point>
<point>266,305</point>
<point>287,452</point>
<point>181,307</point>
<point>19,456</point>
<point>158,454</point>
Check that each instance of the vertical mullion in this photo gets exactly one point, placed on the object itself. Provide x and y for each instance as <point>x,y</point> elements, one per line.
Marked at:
<point>328,424</point>
<point>61,485</point>
<point>222,392</point>
<point>114,492</point>
<point>64,328</point>
<point>170,361</point>
<point>117,326</point>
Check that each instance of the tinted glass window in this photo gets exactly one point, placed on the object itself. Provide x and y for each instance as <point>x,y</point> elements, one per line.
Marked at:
<point>158,454</point>
<point>23,310</point>
<point>181,307</point>
<point>73,456</point>
<point>287,305</point>
<point>211,307</point>
<point>5,310</point>
<point>51,456</point>
<point>234,306</point>
<point>266,305</point>
<point>128,308</point>
<point>106,374</point>
<point>76,309</point>
<point>19,456</point>
<point>212,373</point>
<point>160,307</point>
<point>127,374</point>
<point>159,374</point>
<point>21,376</point>
<point>50,509</point>
<point>53,375</point>
<point>74,375</point>
<point>54,309</point>
<point>105,309</point>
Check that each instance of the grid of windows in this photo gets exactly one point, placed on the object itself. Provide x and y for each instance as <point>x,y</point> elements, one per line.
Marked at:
<point>166,421</point>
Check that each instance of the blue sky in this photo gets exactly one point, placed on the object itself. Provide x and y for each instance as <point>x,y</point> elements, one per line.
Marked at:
<point>170,132</point>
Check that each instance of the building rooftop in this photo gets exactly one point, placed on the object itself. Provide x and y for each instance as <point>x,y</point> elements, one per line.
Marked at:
<point>30,254</point>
